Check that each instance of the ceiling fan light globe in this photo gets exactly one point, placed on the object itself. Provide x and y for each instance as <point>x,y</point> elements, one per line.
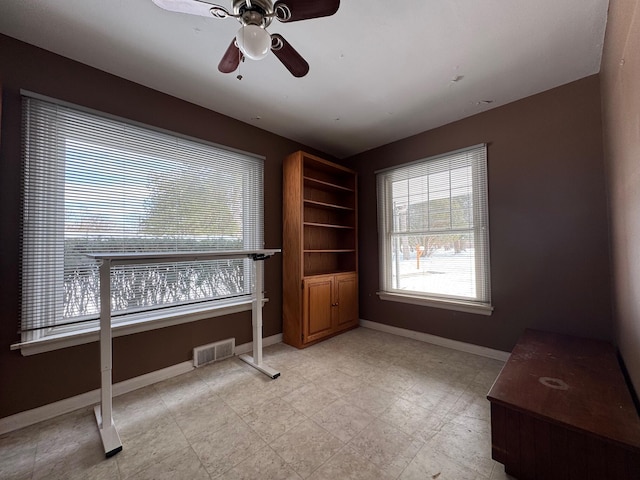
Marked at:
<point>253,41</point>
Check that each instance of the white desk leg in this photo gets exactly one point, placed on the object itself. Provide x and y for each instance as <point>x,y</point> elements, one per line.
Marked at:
<point>104,414</point>
<point>256,321</point>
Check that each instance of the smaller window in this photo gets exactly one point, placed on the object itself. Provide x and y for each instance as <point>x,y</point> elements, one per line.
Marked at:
<point>434,231</point>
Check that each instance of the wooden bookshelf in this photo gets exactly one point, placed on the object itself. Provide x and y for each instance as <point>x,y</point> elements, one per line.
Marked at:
<point>320,256</point>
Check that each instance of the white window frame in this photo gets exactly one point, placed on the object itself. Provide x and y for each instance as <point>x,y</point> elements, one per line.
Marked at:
<point>61,336</point>
<point>481,304</point>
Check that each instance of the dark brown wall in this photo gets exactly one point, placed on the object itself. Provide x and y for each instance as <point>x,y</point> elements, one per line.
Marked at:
<point>547,214</point>
<point>620,77</point>
<point>28,382</point>
<point>550,267</point>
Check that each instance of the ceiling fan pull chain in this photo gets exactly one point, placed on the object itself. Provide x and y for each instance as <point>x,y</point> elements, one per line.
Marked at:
<point>240,60</point>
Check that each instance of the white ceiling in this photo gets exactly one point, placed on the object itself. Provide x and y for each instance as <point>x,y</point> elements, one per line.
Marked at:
<point>380,70</point>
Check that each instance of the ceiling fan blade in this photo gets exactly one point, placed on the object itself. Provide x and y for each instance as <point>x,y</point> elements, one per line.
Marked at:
<point>231,58</point>
<point>294,10</point>
<point>192,7</point>
<point>291,59</point>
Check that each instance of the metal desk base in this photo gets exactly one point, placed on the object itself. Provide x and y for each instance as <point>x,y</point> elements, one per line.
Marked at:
<point>104,412</point>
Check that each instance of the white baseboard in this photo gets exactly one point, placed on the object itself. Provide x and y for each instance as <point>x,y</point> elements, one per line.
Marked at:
<point>440,341</point>
<point>51,410</point>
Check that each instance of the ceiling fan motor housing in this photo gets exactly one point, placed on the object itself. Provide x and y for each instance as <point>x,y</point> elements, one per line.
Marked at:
<point>254,12</point>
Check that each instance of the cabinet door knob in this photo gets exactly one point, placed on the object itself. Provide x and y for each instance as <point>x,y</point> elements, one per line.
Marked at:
<point>334,304</point>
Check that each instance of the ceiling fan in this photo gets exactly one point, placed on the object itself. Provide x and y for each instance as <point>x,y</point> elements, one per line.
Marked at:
<point>252,40</point>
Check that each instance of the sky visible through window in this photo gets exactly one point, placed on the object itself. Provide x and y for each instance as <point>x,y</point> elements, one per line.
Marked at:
<point>99,197</point>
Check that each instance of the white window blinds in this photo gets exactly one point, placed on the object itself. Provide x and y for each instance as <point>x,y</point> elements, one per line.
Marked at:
<point>98,184</point>
<point>433,224</point>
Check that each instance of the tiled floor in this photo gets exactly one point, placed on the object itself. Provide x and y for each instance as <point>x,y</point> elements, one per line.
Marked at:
<point>363,405</point>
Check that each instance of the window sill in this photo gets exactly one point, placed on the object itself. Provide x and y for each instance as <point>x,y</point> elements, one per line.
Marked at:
<point>135,324</point>
<point>457,305</point>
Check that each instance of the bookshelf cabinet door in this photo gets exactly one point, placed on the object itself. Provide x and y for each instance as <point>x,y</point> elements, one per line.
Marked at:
<point>318,295</point>
<point>346,304</point>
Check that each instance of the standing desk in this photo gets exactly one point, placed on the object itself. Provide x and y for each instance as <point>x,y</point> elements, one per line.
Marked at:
<point>104,412</point>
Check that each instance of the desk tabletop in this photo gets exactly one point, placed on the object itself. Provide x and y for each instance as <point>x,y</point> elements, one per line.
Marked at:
<point>156,257</point>
<point>574,382</point>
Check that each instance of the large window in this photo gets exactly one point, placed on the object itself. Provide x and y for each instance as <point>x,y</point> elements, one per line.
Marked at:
<point>98,184</point>
<point>434,237</point>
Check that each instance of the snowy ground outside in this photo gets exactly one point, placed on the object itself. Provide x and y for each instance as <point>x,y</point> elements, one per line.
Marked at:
<point>444,272</point>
